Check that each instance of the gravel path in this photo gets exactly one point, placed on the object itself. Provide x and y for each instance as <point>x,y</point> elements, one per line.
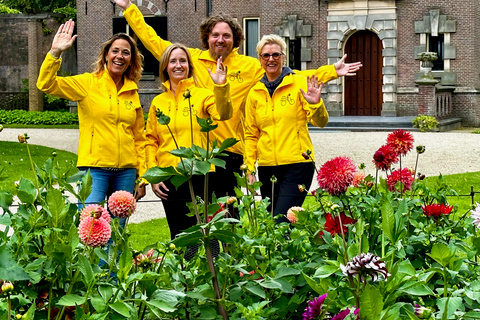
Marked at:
<point>446,153</point>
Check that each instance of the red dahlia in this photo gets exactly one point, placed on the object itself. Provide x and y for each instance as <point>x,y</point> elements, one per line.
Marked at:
<point>436,210</point>
<point>400,141</point>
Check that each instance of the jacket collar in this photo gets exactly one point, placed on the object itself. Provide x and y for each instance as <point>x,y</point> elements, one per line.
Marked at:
<point>182,85</point>
<point>205,55</point>
<point>128,84</point>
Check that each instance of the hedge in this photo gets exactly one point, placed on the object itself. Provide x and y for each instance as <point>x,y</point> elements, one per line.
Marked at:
<point>37,117</point>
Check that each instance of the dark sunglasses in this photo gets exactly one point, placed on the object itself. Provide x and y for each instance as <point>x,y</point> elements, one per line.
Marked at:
<point>275,56</point>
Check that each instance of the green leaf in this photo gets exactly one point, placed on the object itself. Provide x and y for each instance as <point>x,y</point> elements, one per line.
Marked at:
<point>325,270</point>
<point>6,200</point>
<point>86,269</point>
<point>472,315</point>
<point>201,167</point>
<point>452,305</point>
<point>287,271</point>
<point>86,187</point>
<point>98,303</point>
<point>56,205</point>
<point>388,219</point>
<point>177,181</point>
<point>255,289</point>
<point>217,162</point>
<point>419,289</point>
<point>71,300</point>
<point>442,254</point>
<point>158,174</point>
<point>206,124</point>
<point>313,284</point>
<point>26,191</point>
<point>165,307</point>
<point>121,308</point>
<point>371,301</point>
<point>125,264</point>
<point>225,236</point>
<point>182,152</point>
<point>188,239</point>
<point>163,119</point>
<point>10,270</point>
<point>227,143</point>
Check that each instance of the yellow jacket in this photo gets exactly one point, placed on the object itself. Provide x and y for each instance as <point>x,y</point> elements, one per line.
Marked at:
<point>205,104</point>
<point>111,123</point>
<point>243,73</point>
<point>276,131</point>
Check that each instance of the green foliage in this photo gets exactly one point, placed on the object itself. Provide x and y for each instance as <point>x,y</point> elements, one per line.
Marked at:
<point>425,123</point>
<point>69,12</point>
<point>36,6</point>
<point>7,10</point>
<point>36,117</point>
<point>54,103</point>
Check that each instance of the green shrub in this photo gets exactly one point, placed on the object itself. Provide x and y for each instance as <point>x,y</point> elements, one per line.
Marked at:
<point>54,103</point>
<point>7,10</point>
<point>70,13</point>
<point>36,117</point>
<point>425,123</point>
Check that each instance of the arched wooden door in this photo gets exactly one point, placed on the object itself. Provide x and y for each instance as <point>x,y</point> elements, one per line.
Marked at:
<point>363,92</point>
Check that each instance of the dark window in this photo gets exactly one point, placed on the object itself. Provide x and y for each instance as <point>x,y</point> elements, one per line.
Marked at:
<point>251,37</point>
<point>159,24</point>
<point>436,44</point>
<point>294,52</point>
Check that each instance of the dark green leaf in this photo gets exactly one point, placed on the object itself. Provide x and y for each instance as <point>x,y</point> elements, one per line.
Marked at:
<point>10,270</point>
<point>121,308</point>
<point>371,301</point>
<point>158,174</point>
<point>71,300</point>
<point>26,191</point>
<point>6,200</point>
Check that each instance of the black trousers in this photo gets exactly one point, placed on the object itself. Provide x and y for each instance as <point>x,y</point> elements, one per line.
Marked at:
<point>176,208</point>
<point>223,181</point>
<point>286,192</point>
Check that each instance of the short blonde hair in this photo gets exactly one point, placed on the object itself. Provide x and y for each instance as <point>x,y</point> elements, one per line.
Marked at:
<point>166,57</point>
<point>271,39</point>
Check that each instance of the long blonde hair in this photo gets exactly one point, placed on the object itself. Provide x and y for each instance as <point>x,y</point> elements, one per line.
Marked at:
<point>134,70</point>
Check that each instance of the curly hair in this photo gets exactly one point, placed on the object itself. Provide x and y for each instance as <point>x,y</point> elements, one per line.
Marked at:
<point>134,70</point>
<point>166,57</point>
<point>208,24</point>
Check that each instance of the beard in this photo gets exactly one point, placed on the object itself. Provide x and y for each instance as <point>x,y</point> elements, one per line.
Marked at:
<point>215,55</point>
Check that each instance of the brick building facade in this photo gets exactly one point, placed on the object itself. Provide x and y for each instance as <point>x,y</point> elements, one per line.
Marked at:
<point>385,35</point>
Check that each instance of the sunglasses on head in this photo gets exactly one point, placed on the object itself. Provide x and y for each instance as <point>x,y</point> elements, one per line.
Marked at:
<point>275,56</point>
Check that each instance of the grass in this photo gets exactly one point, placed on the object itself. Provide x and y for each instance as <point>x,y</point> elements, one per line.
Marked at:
<point>15,163</point>
<point>148,233</point>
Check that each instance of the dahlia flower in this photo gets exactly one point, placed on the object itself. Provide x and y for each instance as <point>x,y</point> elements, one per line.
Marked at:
<point>146,261</point>
<point>384,157</point>
<point>475,215</point>
<point>420,149</point>
<point>365,265</point>
<point>404,176</point>
<point>292,214</point>
<point>358,178</point>
<point>7,286</point>
<point>94,232</point>
<point>436,210</point>
<point>336,175</point>
<point>422,312</point>
<point>341,315</point>
<point>96,211</point>
<point>314,308</point>
<point>400,141</point>
<point>231,200</point>
<point>122,204</point>
<point>222,207</point>
<point>301,188</point>
<point>333,225</point>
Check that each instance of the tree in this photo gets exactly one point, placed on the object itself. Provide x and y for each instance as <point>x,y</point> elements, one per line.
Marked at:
<point>36,6</point>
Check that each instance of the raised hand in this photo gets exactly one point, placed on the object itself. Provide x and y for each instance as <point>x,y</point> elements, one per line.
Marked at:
<point>63,39</point>
<point>124,4</point>
<point>346,69</point>
<point>314,90</point>
<point>220,75</point>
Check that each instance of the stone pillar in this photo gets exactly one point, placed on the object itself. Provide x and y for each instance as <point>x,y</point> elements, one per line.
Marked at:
<point>35,96</point>
<point>426,100</point>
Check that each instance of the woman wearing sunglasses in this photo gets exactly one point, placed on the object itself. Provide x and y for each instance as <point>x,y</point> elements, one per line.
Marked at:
<point>278,109</point>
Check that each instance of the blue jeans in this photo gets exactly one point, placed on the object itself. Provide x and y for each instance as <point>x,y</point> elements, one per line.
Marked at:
<point>106,182</point>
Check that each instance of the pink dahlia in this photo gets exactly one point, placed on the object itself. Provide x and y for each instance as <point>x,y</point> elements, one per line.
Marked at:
<point>475,215</point>
<point>358,178</point>
<point>341,315</point>
<point>336,175</point>
<point>404,176</point>
<point>94,232</point>
<point>146,261</point>
<point>384,157</point>
<point>400,141</point>
<point>314,308</point>
<point>96,211</point>
<point>122,204</point>
<point>292,214</point>
<point>436,210</point>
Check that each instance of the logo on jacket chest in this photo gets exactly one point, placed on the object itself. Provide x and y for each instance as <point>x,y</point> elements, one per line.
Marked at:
<point>235,76</point>
<point>286,99</point>
<point>128,105</point>
<point>186,111</point>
